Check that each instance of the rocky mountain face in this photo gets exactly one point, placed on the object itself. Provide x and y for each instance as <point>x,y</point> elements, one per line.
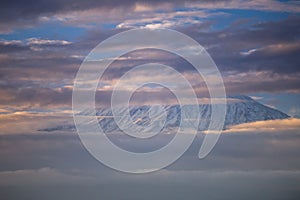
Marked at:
<point>240,109</point>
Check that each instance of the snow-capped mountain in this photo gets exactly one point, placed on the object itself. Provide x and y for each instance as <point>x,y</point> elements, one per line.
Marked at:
<point>240,109</point>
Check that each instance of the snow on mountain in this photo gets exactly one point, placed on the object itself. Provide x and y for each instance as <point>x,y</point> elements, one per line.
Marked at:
<point>240,109</point>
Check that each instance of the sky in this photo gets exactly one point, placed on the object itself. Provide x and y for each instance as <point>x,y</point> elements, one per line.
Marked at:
<point>255,44</point>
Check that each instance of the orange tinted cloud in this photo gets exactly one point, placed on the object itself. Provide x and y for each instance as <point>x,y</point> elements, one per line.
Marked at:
<point>267,126</point>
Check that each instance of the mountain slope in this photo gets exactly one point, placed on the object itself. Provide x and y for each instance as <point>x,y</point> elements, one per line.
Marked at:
<point>240,109</point>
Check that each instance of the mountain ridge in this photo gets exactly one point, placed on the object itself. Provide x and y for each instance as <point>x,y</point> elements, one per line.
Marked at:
<point>244,110</point>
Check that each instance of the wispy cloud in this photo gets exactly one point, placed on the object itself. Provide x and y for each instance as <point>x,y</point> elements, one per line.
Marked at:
<point>266,126</point>
<point>37,41</point>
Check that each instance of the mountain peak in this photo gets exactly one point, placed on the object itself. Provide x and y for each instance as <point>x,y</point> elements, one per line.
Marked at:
<point>237,112</point>
<point>241,97</point>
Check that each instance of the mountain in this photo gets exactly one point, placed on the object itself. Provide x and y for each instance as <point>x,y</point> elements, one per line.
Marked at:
<point>240,109</point>
<point>249,110</point>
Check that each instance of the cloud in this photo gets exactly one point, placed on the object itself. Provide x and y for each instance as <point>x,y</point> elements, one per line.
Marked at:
<point>28,62</point>
<point>9,46</point>
<point>165,185</point>
<point>57,165</point>
<point>19,14</point>
<point>57,162</point>
<point>43,176</point>
<point>255,59</point>
<point>266,126</point>
<point>294,111</point>
<point>19,120</point>
<point>37,41</point>
<point>274,49</point>
<point>260,81</point>
<point>259,47</point>
<point>266,47</point>
<point>266,5</point>
<point>167,19</point>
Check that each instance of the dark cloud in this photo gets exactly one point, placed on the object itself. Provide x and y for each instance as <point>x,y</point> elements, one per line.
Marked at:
<point>9,47</point>
<point>272,86</point>
<point>38,66</point>
<point>227,46</point>
<point>19,13</point>
<point>30,9</point>
<point>35,97</point>
<point>38,63</point>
